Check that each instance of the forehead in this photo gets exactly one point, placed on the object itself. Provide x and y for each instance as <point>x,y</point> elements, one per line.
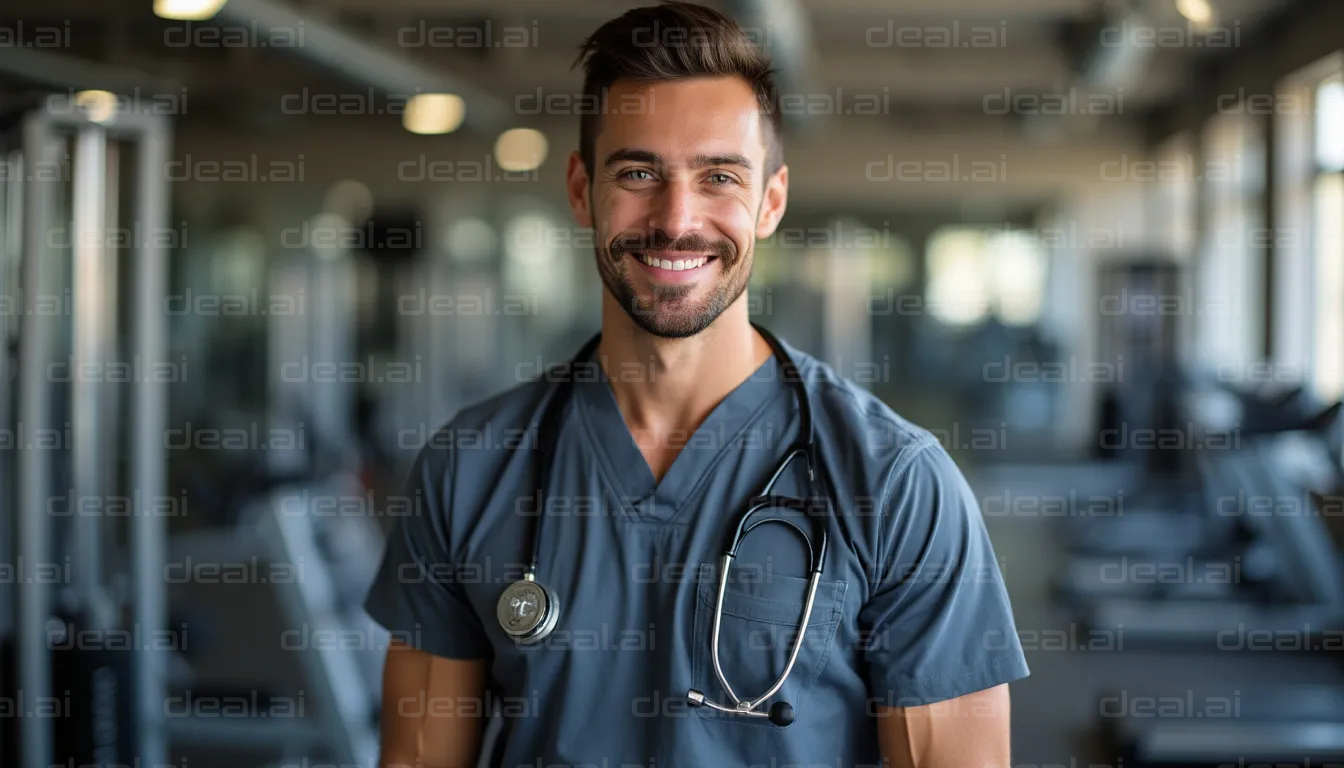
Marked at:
<point>681,118</point>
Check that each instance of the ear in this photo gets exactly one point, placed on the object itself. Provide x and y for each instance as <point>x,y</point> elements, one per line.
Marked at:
<point>576,184</point>
<point>775,200</point>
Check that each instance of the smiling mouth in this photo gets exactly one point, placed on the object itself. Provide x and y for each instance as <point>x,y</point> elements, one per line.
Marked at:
<point>672,265</point>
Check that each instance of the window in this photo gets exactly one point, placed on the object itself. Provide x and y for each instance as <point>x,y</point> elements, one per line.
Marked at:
<point>1173,205</point>
<point>958,288</point>
<point>1309,227</point>
<point>1327,204</point>
<point>975,273</point>
<point>1230,279</point>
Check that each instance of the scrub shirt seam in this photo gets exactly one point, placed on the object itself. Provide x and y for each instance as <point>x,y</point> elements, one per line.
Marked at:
<point>854,399</point>
<point>718,458</point>
<point>608,474</point>
<point>632,515</point>
<point>838,591</point>
<point>837,599</point>
<point>904,460</point>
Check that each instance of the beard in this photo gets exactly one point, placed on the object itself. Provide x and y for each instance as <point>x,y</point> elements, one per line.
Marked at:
<point>669,311</point>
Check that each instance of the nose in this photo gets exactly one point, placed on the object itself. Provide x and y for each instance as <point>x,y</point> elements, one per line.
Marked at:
<point>676,209</point>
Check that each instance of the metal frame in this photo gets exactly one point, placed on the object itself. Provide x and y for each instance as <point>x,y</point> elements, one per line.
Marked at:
<point>10,228</point>
<point>148,406</point>
<point>312,602</point>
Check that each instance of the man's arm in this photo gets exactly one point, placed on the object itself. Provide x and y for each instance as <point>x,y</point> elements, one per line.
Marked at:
<point>942,644</point>
<point>444,704</point>
<point>969,731</point>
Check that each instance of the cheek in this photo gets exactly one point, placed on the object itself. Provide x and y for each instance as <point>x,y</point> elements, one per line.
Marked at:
<point>737,225</point>
<point>621,213</point>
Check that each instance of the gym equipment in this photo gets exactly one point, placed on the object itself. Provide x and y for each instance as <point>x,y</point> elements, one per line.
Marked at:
<point>1281,489</point>
<point>1204,527</point>
<point>1167,516</point>
<point>297,530</point>
<point>309,572</point>
<point>1288,725</point>
<point>1138,340</point>
<point>75,460</point>
<point>1288,574</point>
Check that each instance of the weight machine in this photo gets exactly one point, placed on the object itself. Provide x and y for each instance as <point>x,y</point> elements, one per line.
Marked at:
<point>82,383</point>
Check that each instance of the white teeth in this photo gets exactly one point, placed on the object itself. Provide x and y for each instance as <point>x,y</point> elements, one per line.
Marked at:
<point>674,266</point>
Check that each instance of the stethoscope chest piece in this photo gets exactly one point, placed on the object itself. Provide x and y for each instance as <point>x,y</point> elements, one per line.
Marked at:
<point>527,611</point>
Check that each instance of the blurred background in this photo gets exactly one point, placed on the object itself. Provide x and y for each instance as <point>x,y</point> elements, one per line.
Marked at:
<point>252,253</point>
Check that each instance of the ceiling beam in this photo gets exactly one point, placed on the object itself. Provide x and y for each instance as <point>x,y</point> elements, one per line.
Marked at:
<point>55,70</point>
<point>364,63</point>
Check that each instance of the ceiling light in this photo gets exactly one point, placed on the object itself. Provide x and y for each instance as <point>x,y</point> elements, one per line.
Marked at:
<point>98,106</point>
<point>430,113</point>
<point>1197,11</point>
<point>520,149</point>
<point>187,10</point>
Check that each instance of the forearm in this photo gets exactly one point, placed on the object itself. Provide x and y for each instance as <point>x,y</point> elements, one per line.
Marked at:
<point>432,712</point>
<point>970,731</point>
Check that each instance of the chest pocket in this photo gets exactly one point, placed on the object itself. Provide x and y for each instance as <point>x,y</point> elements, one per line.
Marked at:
<point>760,625</point>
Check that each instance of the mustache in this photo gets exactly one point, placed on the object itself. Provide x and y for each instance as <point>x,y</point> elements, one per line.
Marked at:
<point>658,240</point>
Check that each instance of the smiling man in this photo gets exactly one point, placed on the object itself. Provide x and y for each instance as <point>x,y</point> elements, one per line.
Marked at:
<point>575,585</point>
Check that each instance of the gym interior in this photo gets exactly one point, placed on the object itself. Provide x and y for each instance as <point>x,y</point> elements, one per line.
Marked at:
<point>254,252</point>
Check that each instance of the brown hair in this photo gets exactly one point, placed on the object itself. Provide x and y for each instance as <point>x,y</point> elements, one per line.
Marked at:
<point>673,41</point>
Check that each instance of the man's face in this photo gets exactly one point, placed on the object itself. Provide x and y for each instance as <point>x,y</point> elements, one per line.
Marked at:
<point>677,199</point>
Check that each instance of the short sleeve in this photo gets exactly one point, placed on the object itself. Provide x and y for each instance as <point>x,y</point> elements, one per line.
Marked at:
<point>416,595</point>
<point>938,623</point>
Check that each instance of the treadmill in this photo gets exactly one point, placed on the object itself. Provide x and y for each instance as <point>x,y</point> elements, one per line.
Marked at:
<point>1271,725</point>
<point>1168,517</point>
<point>1290,572</point>
<point>1220,528</point>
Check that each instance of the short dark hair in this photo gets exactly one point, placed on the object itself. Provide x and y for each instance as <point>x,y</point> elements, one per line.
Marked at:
<point>673,41</point>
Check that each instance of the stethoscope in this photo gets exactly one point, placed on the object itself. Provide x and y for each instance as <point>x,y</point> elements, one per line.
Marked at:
<point>528,610</point>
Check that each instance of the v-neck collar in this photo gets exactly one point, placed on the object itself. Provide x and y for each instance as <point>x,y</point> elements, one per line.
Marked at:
<point>624,463</point>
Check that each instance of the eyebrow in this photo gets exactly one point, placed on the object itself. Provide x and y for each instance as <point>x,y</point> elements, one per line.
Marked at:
<point>624,155</point>
<point>702,161</point>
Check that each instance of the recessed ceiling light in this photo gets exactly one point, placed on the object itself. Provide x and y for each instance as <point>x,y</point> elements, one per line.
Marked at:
<point>431,113</point>
<point>1197,11</point>
<point>98,106</point>
<point>520,149</point>
<point>187,10</point>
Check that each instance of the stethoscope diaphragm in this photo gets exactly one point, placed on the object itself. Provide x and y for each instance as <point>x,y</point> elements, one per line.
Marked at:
<point>527,610</point>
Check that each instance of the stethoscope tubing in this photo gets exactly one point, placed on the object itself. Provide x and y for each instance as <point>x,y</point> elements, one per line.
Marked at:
<point>548,432</point>
<point>548,435</point>
<point>749,706</point>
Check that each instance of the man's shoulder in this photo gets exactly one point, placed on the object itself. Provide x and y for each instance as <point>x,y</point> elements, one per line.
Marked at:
<point>495,425</point>
<point>513,407</point>
<point>846,410</point>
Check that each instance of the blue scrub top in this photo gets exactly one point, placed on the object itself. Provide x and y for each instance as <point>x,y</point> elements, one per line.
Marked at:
<point>911,609</point>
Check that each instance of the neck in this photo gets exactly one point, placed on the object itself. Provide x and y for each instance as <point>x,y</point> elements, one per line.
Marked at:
<point>672,384</point>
